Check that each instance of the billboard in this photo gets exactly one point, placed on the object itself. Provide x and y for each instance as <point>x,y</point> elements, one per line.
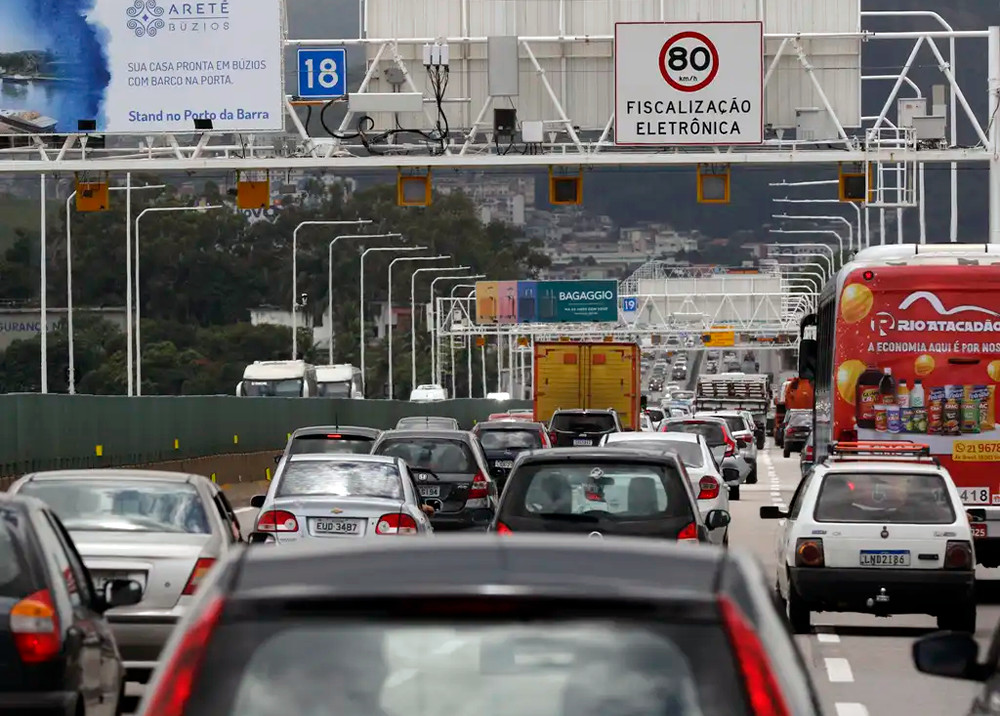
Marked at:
<point>546,301</point>
<point>141,66</point>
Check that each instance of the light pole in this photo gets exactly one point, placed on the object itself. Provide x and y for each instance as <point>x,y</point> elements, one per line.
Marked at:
<point>43,289</point>
<point>361,302</point>
<point>329,288</point>
<point>413,313</point>
<point>814,232</point>
<point>852,204</point>
<point>850,227</point>
<point>389,329</point>
<point>791,255</point>
<point>818,247</point>
<point>435,359</point>
<point>468,341</point>
<point>138,301</point>
<point>295,271</point>
<point>69,275</point>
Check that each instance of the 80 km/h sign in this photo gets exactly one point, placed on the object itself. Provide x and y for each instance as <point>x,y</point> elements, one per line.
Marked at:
<point>689,83</point>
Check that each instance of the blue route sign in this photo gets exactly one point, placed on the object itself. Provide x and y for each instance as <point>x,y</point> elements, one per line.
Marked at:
<point>322,73</point>
<point>630,304</point>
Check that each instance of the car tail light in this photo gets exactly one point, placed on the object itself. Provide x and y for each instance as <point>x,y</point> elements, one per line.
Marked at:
<point>958,555</point>
<point>761,685</point>
<point>201,568</point>
<point>552,437</point>
<point>688,534</point>
<point>542,436</point>
<point>503,529</point>
<point>277,521</point>
<point>809,452</point>
<point>176,683</point>
<point>480,487</point>
<point>35,627</point>
<point>396,523</point>
<point>743,441</point>
<point>730,445</point>
<point>708,488</point>
<point>809,552</point>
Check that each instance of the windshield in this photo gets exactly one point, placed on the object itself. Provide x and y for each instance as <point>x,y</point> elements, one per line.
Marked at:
<point>290,388</point>
<point>439,455</point>
<point>339,479</point>
<point>712,432</point>
<point>891,498</point>
<point>735,422</point>
<point>800,419</point>
<point>582,666</point>
<point>624,490</point>
<point>689,453</point>
<point>336,389</point>
<point>427,422</point>
<point>510,439</point>
<point>683,395</point>
<point>655,414</point>
<point>583,422</point>
<point>123,505</point>
<point>15,580</point>
<point>333,443</point>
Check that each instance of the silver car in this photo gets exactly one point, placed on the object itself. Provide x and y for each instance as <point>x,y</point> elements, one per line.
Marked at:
<point>742,427</point>
<point>703,470</point>
<point>164,530</point>
<point>720,441</point>
<point>342,496</point>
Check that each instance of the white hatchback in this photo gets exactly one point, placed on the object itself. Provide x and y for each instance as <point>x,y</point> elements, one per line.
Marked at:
<point>878,528</point>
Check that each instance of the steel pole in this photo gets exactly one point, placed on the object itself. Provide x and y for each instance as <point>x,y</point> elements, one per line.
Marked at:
<point>44,290</point>
<point>436,326</point>
<point>994,88</point>
<point>413,314</point>
<point>69,295</point>
<point>390,323</point>
<point>128,282</point>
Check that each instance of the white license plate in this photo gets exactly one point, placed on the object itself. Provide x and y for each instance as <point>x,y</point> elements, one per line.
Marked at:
<point>885,558</point>
<point>101,579</point>
<point>504,464</point>
<point>579,442</point>
<point>342,526</point>
<point>429,490</point>
<point>974,495</point>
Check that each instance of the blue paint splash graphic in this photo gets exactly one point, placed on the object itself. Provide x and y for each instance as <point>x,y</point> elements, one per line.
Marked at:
<point>74,55</point>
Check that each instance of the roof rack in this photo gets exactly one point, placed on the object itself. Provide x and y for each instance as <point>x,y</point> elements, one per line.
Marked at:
<point>882,449</point>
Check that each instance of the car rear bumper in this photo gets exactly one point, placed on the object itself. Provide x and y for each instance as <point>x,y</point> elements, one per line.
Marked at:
<point>907,591</point>
<point>141,638</point>
<point>444,521</point>
<point>38,702</point>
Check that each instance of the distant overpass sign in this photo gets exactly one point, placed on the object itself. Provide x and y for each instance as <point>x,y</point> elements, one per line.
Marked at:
<point>546,302</point>
<point>695,83</point>
<point>719,339</point>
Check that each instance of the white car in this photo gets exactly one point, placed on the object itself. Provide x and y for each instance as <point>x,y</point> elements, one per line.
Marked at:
<point>741,426</point>
<point>427,394</point>
<point>720,441</point>
<point>878,528</point>
<point>703,470</point>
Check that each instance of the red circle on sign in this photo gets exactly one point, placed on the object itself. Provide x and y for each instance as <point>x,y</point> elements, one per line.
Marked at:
<point>690,35</point>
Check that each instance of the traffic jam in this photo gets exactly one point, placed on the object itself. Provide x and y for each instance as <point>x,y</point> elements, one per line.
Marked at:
<point>668,528</point>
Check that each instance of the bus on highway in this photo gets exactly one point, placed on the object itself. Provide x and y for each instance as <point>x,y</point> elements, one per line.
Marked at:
<point>907,347</point>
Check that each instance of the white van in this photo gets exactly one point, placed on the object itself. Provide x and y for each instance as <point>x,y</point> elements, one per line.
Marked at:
<point>427,394</point>
<point>278,379</point>
<point>338,381</point>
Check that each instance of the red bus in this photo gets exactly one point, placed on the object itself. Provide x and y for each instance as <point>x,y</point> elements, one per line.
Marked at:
<point>907,347</point>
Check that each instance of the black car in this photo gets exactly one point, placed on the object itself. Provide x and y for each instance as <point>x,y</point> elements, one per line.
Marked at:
<point>327,439</point>
<point>581,626</point>
<point>679,372</point>
<point>603,491</point>
<point>57,652</point>
<point>582,428</point>
<point>460,481</point>
<point>955,655</point>
<point>798,425</point>
<point>504,440</point>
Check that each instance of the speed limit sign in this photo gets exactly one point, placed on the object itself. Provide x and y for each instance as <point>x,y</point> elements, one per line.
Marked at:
<point>696,83</point>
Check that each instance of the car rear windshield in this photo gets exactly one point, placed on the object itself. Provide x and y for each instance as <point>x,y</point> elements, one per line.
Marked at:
<point>439,455</point>
<point>510,439</point>
<point>888,498</point>
<point>735,422</point>
<point>122,505</point>
<point>627,490</point>
<point>655,414</point>
<point>689,453</point>
<point>333,443</point>
<point>429,423</point>
<point>339,479</point>
<point>585,666</point>
<point>797,419</point>
<point>583,422</point>
<point>15,579</point>
<point>712,432</point>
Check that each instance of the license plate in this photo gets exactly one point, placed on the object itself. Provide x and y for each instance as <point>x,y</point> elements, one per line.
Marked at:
<point>429,490</point>
<point>978,530</point>
<point>503,464</point>
<point>974,495</point>
<point>337,527</point>
<point>580,442</point>
<point>885,558</point>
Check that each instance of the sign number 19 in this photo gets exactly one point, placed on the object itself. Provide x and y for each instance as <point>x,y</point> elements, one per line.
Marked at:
<point>327,76</point>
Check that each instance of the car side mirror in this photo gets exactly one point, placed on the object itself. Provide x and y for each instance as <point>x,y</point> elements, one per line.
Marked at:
<point>772,512</point>
<point>121,593</point>
<point>950,654</point>
<point>260,538</point>
<point>257,501</point>
<point>730,474</point>
<point>716,519</point>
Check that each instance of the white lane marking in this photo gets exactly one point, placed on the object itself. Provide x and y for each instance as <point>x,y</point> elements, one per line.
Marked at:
<point>825,638</point>
<point>450,646</point>
<point>838,670</point>
<point>850,709</point>
<point>239,510</point>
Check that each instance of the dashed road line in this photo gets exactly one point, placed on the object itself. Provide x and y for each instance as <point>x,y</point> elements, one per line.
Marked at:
<point>827,638</point>
<point>838,670</point>
<point>850,709</point>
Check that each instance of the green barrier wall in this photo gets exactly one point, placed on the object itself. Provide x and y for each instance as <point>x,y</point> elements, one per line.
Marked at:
<point>46,432</point>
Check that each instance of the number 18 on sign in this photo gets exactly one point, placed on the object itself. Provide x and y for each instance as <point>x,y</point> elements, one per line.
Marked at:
<point>698,83</point>
<point>322,73</point>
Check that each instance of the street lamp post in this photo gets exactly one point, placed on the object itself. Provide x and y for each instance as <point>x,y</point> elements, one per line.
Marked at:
<point>818,247</point>
<point>138,301</point>
<point>43,289</point>
<point>361,302</point>
<point>295,271</point>
<point>435,358</point>
<point>329,288</point>
<point>814,232</point>
<point>792,255</point>
<point>389,330</point>
<point>69,275</point>
<point>841,219</point>
<point>468,342</point>
<point>413,313</point>
<point>852,204</point>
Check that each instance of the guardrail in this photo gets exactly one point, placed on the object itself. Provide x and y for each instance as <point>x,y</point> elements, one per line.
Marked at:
<point>48,432</point>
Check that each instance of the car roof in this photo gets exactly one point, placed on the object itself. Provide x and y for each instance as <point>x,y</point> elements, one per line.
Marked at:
<point>344,457</point>
<point>699,419</point>
<point>101,473</point>
<point>426,433</point>
<point>339,429</point>
<point>586,411</point>
<point>509,425</point>
<point>21,503</point>
<point>480,564</point>
<point>567,455</point>
<point>674,437</point>
<point>904,467</point>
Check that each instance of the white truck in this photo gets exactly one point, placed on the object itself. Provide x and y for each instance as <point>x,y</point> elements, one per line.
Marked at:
<point>339,381</point>
<point>278,379</point>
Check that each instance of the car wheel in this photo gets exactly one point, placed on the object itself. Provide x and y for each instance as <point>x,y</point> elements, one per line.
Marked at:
<point>760,444</point>
<point>734,492</point>
<point>752,477</point>
<point>961,618</point>
<point>120,709</point>
<point>799,616</point>
<point>725,539</point>
<point>786,452</point>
